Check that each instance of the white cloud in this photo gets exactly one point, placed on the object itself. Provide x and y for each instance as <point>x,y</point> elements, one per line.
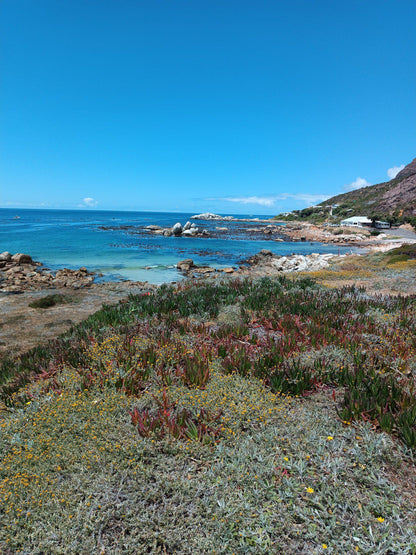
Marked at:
<point>357,184</point>
<point>392,172</point>
<point>271,200</point>
<point>88,202</point>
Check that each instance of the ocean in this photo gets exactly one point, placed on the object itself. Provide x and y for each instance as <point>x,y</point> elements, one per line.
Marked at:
<point>117,244</point>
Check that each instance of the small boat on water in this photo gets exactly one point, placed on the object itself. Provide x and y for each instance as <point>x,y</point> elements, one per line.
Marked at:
<point>16,217</point>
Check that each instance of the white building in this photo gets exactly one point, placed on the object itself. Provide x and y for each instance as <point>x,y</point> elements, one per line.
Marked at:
<point>357,221</point>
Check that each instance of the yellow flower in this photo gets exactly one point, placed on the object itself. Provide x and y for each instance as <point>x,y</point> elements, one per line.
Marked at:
<point>309,490</point>
<point>285,459</point>
<point>329,438</point>
<point>324,546</point>
<point>380,519</point>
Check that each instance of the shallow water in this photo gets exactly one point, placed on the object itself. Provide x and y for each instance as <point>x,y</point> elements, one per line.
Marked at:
<point>124,249</point>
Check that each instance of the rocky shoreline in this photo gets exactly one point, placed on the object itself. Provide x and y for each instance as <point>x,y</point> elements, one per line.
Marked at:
<point>25,322</point>
<point>264,262</point>
<point>23,281</point>
<point>231,228</point>
<point>271,230</point>
<point>209,216</point>
<point>271,263</point>
<point>19,272</point>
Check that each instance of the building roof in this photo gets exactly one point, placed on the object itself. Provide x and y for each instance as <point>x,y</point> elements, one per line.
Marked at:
<point>357,220</point>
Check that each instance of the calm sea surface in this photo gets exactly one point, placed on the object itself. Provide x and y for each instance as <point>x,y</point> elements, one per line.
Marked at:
<point>117,245</point>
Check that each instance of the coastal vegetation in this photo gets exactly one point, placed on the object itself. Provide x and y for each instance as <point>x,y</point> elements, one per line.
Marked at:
<point>392,272</point>
<point>404,253</point>
<point>241,416</point>
<point>48,301</point>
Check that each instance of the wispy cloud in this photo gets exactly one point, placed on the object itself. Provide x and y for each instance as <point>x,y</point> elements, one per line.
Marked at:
<point>306,197</point>
<point>357,184</point>
<point>270,200</point>
<point>12,204</point>
<point>88,202</point>
<point>392,172</point>
<point>262,201</point>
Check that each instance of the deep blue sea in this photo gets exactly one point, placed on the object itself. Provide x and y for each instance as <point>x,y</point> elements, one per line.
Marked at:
<point>117,245</point>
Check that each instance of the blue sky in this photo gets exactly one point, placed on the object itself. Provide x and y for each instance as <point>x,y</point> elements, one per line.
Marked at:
<point>228,106</point>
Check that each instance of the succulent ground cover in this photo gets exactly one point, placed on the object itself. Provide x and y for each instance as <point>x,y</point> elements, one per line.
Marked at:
<point>393,272</point>
<point>265,416</point>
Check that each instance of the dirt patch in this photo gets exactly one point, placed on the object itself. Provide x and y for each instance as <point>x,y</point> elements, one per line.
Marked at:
<point>23,327</point>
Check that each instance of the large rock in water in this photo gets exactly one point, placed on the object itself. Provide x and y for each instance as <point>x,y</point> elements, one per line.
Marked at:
<point>185,265</point>
<point>20,258</point>
<point>177,229</point>
<point>5,256</point>
<point>187,226</point>
<point>190,232</point>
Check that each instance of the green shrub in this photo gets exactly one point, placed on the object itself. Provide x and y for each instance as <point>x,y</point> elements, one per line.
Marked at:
<point>401,254</point>
<point>48,301</point>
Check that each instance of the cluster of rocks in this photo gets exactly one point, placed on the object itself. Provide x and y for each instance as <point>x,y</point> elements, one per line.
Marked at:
<point>189,268</point>
<point>266,260</point>
<point>188,230</point>
<point>267,230</point>
<point>19,272</point>
<point>310,232</point>
<point>346,237</point>
<point>263,263</point>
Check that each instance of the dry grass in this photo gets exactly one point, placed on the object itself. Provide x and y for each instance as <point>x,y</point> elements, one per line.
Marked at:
<point>375,272</point>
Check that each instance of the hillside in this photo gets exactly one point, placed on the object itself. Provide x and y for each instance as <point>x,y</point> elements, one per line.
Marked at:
<point>395,199</point>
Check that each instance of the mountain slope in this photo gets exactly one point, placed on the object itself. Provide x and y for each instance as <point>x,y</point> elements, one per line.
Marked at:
<point>395,198</point>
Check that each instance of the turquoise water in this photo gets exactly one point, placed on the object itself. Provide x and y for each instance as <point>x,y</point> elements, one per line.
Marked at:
<point>117,245</point>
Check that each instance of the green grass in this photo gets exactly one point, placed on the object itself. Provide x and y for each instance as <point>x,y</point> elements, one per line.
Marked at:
<point>250,469</point>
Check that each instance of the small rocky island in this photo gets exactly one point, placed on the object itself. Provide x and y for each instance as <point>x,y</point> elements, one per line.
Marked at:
<point>188,230</point>
<point>210,216</point>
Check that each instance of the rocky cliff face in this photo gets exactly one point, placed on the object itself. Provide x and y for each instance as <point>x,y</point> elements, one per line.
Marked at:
<point>409,170</point>
<point>402,195</point>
